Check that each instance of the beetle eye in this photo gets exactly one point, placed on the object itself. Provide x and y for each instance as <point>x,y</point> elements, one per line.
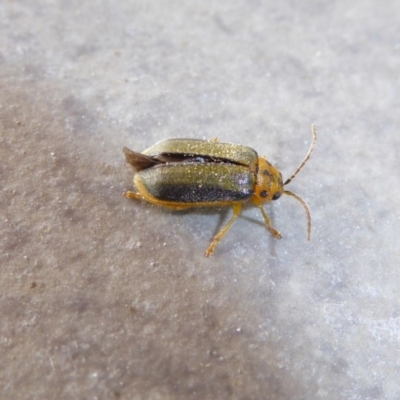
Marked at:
<point>264,194</point>
<point>276,196</point>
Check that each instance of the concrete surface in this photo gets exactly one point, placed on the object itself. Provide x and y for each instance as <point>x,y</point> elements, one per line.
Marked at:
<point>105,298</point>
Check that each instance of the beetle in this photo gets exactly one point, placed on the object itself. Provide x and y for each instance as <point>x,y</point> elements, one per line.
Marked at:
<point>185,173</point>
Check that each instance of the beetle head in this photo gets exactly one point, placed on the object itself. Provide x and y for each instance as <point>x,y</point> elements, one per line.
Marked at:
<point>269,184</point>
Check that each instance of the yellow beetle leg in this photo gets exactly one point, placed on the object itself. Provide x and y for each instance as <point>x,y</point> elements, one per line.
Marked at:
<point>273,231</point>
<point>237,208</point>
<point>132,195</point>
<point>177,207</point>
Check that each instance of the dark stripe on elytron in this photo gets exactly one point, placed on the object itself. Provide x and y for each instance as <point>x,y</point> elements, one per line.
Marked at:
<point>196,159</point>
<point>194,194</point>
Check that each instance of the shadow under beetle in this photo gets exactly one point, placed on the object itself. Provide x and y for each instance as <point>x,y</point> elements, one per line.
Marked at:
<point>184,173</point>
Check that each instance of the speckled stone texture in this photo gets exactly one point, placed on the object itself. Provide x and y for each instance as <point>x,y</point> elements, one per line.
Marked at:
<point>105,298</point>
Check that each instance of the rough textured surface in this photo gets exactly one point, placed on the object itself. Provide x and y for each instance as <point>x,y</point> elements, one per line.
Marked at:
<point>106,298</point>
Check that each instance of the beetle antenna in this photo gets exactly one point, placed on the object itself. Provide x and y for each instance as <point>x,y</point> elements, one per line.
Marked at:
<point>305,206</point>
<point>308,155</point>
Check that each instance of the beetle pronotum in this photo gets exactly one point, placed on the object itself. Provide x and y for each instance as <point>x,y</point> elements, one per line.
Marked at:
<point>184,173</point>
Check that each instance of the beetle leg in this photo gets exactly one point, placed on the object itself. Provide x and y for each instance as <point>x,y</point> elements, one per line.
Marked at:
<point>132,195</point>
<point>177,208</point>
<point>237,208</point>
<point>273,231</point>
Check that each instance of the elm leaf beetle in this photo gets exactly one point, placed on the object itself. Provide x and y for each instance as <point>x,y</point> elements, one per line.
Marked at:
<point>184,173</point>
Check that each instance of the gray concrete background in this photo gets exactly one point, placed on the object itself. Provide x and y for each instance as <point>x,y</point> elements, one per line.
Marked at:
<point>105,298</point>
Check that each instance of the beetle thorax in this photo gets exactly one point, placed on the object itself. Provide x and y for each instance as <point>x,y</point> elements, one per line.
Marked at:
<point>269,183</point>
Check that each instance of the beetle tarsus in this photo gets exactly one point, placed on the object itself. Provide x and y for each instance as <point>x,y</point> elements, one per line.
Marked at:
<point>237,208</point>
<point>133,195</point>
<point>267,220</point>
